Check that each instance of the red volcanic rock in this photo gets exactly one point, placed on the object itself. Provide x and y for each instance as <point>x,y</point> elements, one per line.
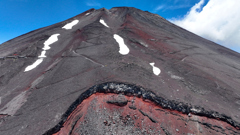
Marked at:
<point>117,71</point>
<point>137,116</point>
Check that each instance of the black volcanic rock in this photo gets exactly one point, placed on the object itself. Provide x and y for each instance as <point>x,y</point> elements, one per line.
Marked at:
<point>86,85</point>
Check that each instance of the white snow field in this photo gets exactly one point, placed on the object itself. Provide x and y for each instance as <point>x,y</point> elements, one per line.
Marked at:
<point>70,25</point>
<point>34,65</point>
<point>52,39</point>
<point>124,50</point>
<point>49,41</point>
<point>156,70</point>
<point>103,22</point>
<point>43,54</point>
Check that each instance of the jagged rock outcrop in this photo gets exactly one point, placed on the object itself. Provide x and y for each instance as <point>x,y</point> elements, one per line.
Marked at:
<point>118,71</point>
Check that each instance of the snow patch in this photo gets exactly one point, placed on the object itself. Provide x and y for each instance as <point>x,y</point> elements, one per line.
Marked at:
<point>43,54</point>
<point>124,50</point>
<point>70,25</point>
<point>50,40</point>
<point>156,70</point>
<point>103,22</point>
<point>87,13</point>
<point>34,65</point>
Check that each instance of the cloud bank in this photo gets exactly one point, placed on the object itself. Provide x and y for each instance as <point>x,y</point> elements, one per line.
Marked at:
<point>218,20</point>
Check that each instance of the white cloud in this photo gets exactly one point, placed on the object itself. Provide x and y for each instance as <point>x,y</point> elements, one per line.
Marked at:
<point>170,7</point>
<point>93,3</point>
<point>218,20</point>
<point>159,7</point>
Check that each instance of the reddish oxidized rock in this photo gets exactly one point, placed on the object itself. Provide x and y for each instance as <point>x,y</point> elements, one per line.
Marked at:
<point>96,115</point>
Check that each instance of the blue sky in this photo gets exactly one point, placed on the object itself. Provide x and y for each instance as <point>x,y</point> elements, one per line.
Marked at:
<point>18,17</point>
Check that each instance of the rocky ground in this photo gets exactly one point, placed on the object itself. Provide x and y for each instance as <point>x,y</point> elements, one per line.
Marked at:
<point>117,71</point>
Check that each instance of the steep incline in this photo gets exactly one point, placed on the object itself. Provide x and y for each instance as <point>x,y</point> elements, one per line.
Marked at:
<point>52,79</point>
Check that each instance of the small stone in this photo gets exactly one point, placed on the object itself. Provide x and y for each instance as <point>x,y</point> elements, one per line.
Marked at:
<point>132,107</point>
<point>177,130</point>
<point>105,122</point>
<point>189,115</point>
<point>119,100</point>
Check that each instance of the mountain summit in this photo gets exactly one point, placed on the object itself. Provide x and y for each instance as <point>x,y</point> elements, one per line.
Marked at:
<point>117,71</point>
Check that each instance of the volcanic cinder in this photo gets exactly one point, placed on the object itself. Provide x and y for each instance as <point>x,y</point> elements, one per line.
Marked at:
<point>117,71</point>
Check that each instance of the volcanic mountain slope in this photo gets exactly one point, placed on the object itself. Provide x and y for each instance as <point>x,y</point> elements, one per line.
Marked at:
<point>117,71</point>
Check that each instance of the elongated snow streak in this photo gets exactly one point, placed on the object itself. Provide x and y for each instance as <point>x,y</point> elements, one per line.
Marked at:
<point>156,70</point>
<point>87,13</point>
<point>35,64</point>
<point>70,25</point>
<point>103,22</point>
<point>124,50</point>
<point>48,42</point>
<point>43,54</point>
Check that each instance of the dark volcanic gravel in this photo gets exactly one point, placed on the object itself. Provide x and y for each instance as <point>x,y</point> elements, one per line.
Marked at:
<point>198,84</point>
